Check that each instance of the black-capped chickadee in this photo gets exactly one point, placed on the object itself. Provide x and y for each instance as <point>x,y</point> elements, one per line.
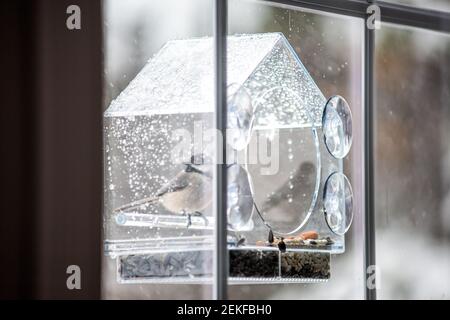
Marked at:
<point>188,193</point>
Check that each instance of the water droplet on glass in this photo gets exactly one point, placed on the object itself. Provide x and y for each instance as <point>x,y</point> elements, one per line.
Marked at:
<point>121,219</point>
<point>338,203</point>
<point>337,127</point>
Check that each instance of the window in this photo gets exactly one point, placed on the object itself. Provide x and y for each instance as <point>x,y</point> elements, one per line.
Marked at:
<point>395,80</point>
<point>134,33</point>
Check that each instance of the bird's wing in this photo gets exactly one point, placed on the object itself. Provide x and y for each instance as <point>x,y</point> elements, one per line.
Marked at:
<point>179,182</point>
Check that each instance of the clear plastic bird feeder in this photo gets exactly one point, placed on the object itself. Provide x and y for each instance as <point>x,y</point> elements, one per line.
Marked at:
<point>288,210</point>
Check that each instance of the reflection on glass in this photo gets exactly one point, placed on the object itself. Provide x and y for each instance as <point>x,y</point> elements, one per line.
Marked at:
<point>286,117</point>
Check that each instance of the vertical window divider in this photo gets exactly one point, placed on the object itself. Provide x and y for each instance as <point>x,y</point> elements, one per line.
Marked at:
<point>369,219</point>
<point>220,274</point>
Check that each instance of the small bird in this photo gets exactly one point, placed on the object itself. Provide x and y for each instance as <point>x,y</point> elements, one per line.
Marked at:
<point>188,193</point>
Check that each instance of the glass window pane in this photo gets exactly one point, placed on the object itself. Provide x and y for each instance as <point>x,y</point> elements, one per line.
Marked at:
<point>441,5</point>
<point>297,59</point>
<point>412,178</point>
<point>158,211</point>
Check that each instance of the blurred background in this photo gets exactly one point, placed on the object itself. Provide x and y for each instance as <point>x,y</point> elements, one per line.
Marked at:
<point>412,135</point>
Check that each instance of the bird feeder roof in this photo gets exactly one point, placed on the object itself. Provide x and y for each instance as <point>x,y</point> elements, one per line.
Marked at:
<point>180,79</point>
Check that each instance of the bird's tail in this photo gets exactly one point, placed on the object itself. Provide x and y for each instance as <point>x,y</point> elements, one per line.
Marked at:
<point>136,204</point>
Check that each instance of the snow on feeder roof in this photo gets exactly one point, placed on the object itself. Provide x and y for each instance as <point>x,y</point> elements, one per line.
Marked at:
<point>179,79</point>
